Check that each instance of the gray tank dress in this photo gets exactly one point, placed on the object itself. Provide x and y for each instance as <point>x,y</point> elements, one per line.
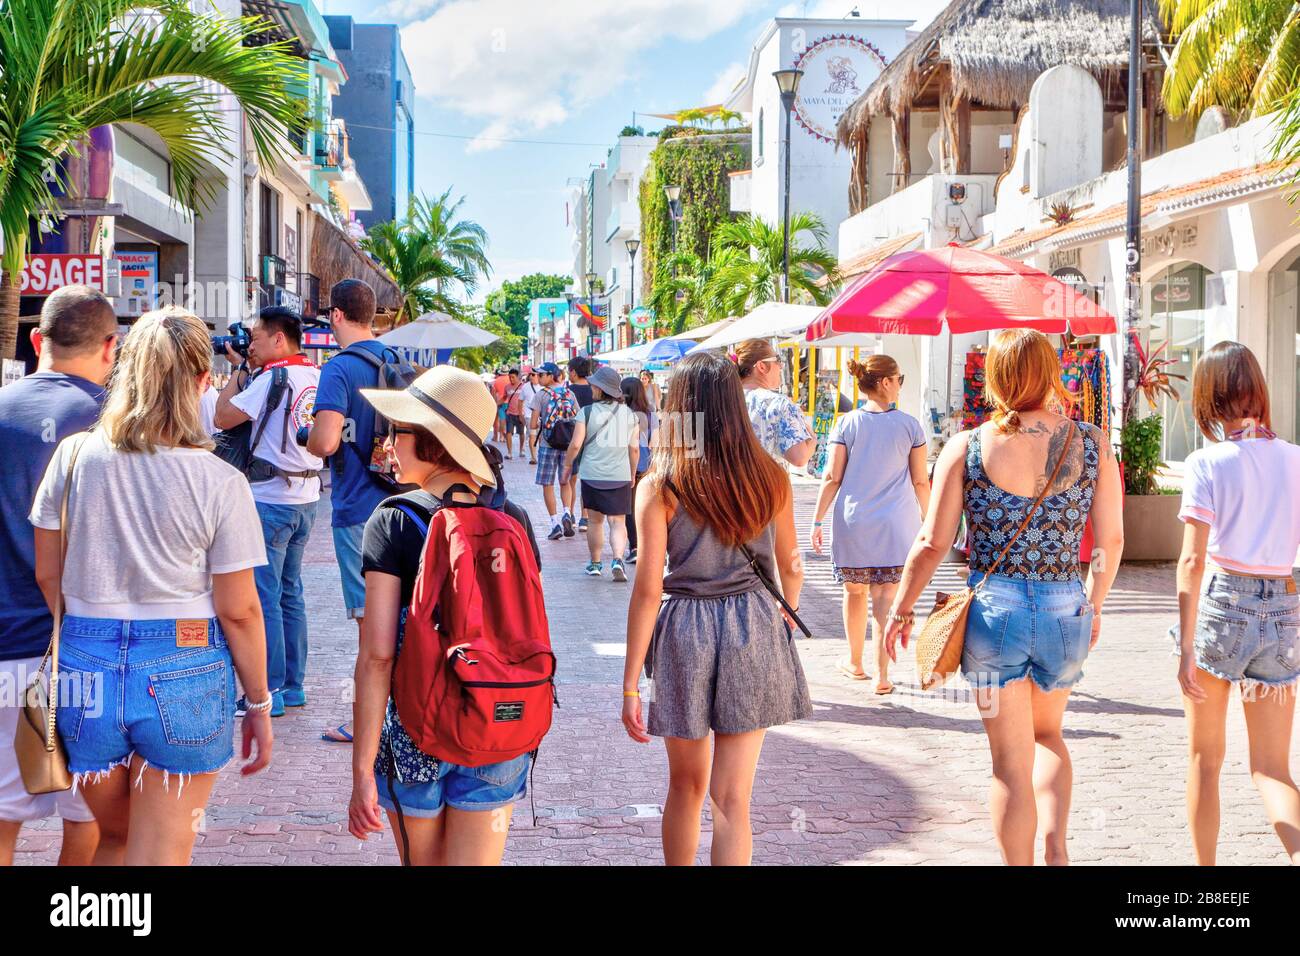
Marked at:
<point>722,657</point>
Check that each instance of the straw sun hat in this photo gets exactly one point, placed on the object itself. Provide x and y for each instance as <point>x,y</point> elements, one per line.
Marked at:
<point>452,404</point>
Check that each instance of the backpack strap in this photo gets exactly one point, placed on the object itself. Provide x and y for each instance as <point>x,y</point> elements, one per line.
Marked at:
<point>279,383</point>
<point>497,498</point>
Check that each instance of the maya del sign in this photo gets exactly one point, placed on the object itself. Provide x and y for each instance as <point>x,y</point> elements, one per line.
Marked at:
<point>45,272</point>
<point>836,71</point>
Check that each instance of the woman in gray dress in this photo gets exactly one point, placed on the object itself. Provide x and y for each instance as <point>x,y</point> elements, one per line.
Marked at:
<point>877,479</point>
<point>719,649</point>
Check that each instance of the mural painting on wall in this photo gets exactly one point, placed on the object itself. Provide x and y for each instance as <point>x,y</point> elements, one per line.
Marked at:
<point>836,68</point>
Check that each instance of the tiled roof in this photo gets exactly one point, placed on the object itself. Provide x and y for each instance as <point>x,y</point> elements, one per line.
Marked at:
<point>1172,199</point>
<point>864,262</point>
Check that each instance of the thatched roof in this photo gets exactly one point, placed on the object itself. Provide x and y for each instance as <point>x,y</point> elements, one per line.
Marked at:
<point>996,49</point>
<point>334,257</point>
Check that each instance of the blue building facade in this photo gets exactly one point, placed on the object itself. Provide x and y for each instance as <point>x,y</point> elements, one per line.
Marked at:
<point>378,106</point>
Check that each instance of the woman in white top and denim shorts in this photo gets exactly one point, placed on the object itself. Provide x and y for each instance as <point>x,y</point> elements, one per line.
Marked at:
<point>1241,623</point>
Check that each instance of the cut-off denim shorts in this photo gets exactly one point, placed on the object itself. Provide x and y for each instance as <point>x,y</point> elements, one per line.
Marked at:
<point>489,787</point>
<point>163,689</point>
<point>1019,628</point>
<point>1248,631</point>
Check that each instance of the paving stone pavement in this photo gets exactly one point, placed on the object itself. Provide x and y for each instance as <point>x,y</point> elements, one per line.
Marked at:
<point>865,780</point>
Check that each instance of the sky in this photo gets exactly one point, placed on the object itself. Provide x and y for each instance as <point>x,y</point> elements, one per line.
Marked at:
<point>515,97</point>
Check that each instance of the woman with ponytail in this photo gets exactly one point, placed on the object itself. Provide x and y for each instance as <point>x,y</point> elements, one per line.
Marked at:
<point>1027,481</point>
<point>877,479</point>
<point>161,608</point>
<point>780,425</point>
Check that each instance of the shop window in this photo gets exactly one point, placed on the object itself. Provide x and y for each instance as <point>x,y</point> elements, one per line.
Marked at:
<point>1175,307</point>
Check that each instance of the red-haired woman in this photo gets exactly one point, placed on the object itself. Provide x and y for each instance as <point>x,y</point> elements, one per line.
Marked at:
<point>718,511</point>
<point>1027,481</point>
<point>1243,626</point>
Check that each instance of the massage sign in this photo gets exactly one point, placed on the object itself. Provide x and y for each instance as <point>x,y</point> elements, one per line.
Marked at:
<point>44,273</point>
<point>836,70</point>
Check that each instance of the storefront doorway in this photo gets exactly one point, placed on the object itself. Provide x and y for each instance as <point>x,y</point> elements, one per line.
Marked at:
<point>1175,304</point>
<point>1283,366</point>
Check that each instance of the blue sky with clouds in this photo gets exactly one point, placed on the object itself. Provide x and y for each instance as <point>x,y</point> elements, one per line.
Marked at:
<point>566,75</point>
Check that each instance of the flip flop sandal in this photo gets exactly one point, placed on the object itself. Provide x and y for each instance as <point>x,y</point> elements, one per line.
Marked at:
<point>889,689</point>
<point>849,672</point>
<point>343,736</point>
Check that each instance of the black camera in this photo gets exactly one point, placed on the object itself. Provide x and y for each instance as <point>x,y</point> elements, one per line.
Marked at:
<point>237,340</point>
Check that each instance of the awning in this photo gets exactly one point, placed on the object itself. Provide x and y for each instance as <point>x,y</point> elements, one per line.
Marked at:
<point>335,257</point>
<point>768,321</point>
<point>704,331</point>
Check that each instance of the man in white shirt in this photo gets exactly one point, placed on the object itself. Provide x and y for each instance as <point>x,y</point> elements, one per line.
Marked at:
<point>528,393</point>
<point>284,479</point>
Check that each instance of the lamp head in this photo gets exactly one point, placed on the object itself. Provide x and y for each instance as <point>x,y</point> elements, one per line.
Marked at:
<point>632,246</point>
<point>788,83</point>
<point>673,193</point>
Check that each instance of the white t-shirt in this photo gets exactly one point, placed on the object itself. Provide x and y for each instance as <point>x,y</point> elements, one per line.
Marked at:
<point>208,410</point>
<point>1248,492</point>
<point>146,532</point>
<point>527,394</point>
<point>303,380</point>
<point>612,428</point>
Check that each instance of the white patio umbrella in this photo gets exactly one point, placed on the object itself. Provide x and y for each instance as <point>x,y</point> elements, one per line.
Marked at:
<point>437,330</point>
<point>770,320</point>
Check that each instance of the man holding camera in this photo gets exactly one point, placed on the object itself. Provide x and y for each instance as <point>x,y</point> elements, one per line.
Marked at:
<point>279,404</point>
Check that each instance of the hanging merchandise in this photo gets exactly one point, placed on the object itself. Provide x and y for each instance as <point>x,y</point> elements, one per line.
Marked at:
<point>1085,374</point>
<point>974,410</point>
<point>825,409</point>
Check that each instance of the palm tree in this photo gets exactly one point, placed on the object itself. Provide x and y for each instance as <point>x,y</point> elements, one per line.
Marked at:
<point>680,294</point>
<point>747,256</point>
<point>461,242</point>
<point>418,268</point>
<point>1242,55</point>
<point>69,66</point>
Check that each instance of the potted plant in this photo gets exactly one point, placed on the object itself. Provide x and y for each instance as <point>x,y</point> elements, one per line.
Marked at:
<point>1152,531</point>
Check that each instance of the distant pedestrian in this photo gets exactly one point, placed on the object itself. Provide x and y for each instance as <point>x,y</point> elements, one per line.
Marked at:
<point>580,366</point>
<point>343,426</point>
<point>782,429</point>
<point>1028,481</point>
<point>162,538</point>
<point>877,478</point>
<point>527,395</point>
<point>554,412</point>
<point>515,413</point>
<point>500,390</point>
<point>1242,625</point>
<point>452,815</point>
<point>286,487</point>
<point>718,513</point>
<point>653,393</point>
<point>74,345</point>
<point>605,436</point>
<point>634,396</point>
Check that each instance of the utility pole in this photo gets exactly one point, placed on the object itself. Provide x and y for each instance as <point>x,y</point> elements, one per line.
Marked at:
<point>1133,240</point>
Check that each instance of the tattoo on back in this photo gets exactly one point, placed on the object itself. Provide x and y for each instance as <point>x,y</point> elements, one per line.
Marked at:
<point>1061,442</point>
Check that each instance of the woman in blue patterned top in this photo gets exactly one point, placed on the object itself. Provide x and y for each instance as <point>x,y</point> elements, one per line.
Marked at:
<point>779,423</point>
<point>1033,620</point>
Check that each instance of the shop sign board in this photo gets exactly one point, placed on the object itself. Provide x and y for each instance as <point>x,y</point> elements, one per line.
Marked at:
<point>46,272</point>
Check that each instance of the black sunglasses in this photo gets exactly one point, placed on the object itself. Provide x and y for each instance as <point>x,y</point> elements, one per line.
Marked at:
<point>395,430</point>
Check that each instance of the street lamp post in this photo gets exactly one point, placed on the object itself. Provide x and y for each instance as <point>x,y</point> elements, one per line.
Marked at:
<point>591,301</point>
<point>788,82</point>
<point>674,194</point>
<point>1133,237</point>
<point>632,245</point>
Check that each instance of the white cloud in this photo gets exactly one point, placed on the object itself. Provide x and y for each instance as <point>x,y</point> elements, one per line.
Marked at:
<point>725,82</point>
<point>521,66</point>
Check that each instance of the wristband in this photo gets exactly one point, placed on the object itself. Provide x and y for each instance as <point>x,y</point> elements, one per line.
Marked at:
<point>817,524</point>
<point>261,708</point>
<point>908,618</point>
<point>631,693</point>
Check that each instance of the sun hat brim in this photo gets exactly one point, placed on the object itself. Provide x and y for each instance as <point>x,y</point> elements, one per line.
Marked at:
<point>399,405</point>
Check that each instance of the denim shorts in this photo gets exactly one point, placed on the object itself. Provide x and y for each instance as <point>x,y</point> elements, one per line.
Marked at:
<point>1019,628</point>
<point>1248,630</point>
<point>465,788</point>
<point>347,550</point>
<point>163,689</point>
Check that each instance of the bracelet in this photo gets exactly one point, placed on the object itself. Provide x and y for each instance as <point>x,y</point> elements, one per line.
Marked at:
<point>908,618</point>
<point>817,524</point>
<point>631,693</point>
<point>261,708</point>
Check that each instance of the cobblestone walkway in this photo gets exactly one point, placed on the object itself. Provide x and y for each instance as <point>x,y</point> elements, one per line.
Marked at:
<point>898,780</point>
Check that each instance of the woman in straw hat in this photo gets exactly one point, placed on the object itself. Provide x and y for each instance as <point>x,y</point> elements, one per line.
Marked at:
<point>454,815</point>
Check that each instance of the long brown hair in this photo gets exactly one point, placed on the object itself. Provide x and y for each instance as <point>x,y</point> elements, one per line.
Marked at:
<point>1228,384</point>
<point>1022,373</point>
<point>708,449</point>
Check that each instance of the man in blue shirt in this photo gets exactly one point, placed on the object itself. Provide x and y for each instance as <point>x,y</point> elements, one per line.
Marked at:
<point>75,344</point>
<point>344,425</point>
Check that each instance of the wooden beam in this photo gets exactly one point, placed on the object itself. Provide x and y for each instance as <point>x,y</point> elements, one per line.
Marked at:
<point>901,128</point>
<point>961,149</point>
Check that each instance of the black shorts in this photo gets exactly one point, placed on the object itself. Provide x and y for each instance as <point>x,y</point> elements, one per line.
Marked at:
<point>515,424</point>
<point>616,500</point>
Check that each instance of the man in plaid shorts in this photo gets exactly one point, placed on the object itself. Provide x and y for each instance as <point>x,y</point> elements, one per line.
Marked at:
<point>549,405</point>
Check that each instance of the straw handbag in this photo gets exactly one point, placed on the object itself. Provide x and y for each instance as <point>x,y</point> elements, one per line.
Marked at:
<point>42,761</point>
<point>940,643</point>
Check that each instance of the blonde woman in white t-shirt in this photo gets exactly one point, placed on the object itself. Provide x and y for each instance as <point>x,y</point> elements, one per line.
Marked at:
<point>1242,625</point>
<point>158,591</point>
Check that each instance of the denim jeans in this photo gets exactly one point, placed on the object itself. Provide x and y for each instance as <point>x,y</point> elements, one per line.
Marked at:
<point>285,529</point>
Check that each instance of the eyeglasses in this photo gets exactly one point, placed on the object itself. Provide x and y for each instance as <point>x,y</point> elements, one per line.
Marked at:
<point>395,430</point>
<point>900,380</point>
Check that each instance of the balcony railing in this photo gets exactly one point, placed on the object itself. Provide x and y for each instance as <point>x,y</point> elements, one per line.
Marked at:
<point>273,271</point>
<point>330,149</point>
<point>309,290</point>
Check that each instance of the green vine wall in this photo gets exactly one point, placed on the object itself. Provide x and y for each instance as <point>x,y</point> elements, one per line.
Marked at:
<point>698,161</point>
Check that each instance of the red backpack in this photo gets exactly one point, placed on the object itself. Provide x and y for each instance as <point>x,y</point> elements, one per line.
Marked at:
<point>474,683</point>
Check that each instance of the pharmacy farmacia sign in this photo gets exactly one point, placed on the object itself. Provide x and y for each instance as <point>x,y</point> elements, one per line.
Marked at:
<point>837,69</point>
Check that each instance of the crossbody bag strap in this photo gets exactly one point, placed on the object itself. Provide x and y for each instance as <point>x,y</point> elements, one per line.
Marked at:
<point>768,584</point>
<point>1065,452</point>
<point>52,654</point>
